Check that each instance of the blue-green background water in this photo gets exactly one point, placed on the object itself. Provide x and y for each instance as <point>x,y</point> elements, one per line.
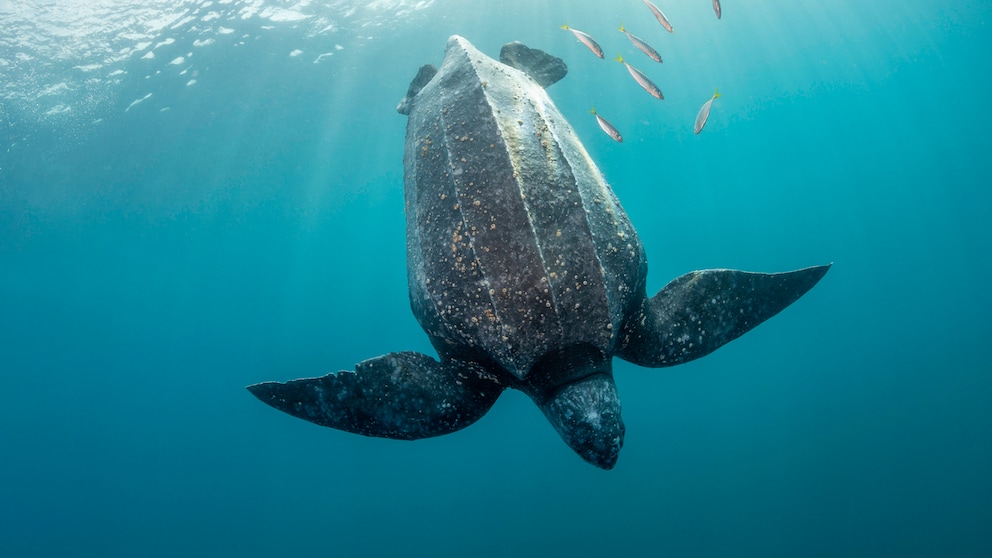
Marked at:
<point>157,257</point>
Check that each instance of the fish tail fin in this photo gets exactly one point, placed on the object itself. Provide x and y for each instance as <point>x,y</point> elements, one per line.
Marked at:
<point>716,93</point>
<point>565,27</point>
<point>622,30</point>
<point>619,58</point>
<point>592,110</point>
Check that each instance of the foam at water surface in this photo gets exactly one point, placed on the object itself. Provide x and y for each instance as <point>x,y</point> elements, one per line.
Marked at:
<point>67,60</point>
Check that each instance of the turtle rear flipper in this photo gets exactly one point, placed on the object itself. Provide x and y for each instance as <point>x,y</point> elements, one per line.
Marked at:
<point>423,77</point>
<point>542,67</point>
<point>701,311</point>
<point>404,396</point>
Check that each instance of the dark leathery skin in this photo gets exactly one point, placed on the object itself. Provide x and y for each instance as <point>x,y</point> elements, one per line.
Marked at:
<point>525,273</point>
<point>516,244</point>
<point>403,396</point>
<point>701,311</point>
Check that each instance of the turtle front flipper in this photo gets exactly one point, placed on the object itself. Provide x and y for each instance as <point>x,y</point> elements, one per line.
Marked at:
<point>403,396</point>
<point>701,311</point>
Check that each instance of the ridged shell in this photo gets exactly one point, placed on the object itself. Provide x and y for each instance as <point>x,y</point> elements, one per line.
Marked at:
<point>516,244</point>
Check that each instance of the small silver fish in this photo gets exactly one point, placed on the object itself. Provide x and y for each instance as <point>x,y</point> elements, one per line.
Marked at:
<point>639,43</point>
<point>704,112</point>
<point>607,127</point>
<point>661,17</point>
<point>716,8</point>
<point>586,40</point>
<point>641,79</point>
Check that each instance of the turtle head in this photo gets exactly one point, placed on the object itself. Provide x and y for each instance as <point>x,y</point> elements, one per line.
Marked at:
<point>586,414</point>
<point>582,405</point>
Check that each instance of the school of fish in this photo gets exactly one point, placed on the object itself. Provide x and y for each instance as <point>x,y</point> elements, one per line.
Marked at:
<point>640,77</point>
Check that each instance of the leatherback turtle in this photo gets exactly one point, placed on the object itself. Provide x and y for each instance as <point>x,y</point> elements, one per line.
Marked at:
<point>524,271</point>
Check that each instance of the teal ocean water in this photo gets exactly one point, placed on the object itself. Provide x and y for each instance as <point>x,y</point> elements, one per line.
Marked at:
<point>196,196</point>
